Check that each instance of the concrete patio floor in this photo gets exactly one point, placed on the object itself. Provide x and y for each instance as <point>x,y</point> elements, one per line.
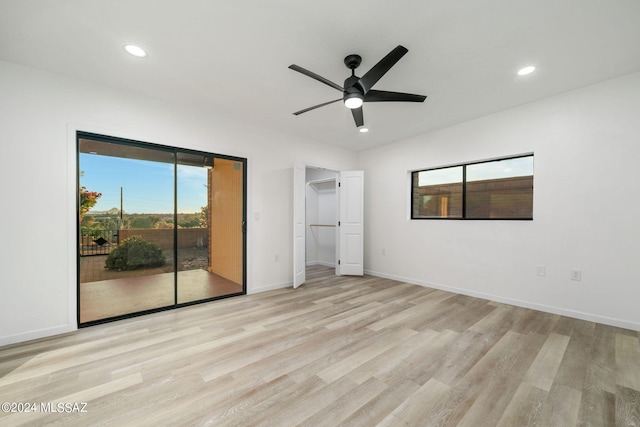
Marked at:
<point>148,289</point>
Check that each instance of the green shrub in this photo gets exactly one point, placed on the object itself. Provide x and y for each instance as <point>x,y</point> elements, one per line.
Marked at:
<point>133,253</point>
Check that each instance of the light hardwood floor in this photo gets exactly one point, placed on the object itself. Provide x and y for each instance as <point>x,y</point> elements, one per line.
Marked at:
<point>337,351</point>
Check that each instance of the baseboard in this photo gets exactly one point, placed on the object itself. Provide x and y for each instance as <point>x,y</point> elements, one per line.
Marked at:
<point>271,287</point>
<point>611,321</point>
<point>34,335</point>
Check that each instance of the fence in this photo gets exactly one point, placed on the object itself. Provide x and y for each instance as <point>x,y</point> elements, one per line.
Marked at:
<point>97,242</point>
<point>101,242</point>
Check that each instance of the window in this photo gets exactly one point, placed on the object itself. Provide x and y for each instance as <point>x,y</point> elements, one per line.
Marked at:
<point>495,189</point>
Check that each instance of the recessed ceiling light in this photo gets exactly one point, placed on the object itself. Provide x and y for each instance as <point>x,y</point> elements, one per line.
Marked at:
<point>363,130</point>
<point>526,70</point>
<point>135,50</point>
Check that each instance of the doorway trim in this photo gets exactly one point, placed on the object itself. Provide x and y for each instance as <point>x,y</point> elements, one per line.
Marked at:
<point>299,218</point>
<point>353,248</point>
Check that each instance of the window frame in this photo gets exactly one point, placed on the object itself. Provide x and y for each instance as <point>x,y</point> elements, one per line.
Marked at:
<point>175,151</point>
<point>464,217</point>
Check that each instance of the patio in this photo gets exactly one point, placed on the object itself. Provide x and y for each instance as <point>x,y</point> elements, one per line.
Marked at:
<point>106,293</point>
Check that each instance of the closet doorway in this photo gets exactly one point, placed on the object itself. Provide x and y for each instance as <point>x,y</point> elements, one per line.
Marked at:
<point>158,227</point>
<point>328,221</point>
<point>321,212</point>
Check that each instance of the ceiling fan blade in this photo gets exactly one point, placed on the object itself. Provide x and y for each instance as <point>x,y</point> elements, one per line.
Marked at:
<point>384,96</point>
<point>358,116</point>
<point>380,69</point>
<point>316,106</point>
<point>313,75</point>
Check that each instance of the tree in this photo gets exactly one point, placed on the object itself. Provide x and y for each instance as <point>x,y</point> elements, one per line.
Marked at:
<point>143,221</point>
<point>203,216</point>
<point>189,221</point>
<point>163,224</point>
<point>88,199</point>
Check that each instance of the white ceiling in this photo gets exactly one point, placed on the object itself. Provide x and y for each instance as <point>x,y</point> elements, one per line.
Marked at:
<point>230,57</point>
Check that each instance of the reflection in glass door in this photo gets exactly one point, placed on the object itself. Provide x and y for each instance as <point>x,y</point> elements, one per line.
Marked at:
<point>158,227</point>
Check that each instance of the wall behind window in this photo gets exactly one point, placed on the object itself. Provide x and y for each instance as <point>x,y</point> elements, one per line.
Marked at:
<point>38,109</point>
<point>587,149</point>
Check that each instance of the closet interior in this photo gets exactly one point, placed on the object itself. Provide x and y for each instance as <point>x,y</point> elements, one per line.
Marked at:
<point>321,208</point>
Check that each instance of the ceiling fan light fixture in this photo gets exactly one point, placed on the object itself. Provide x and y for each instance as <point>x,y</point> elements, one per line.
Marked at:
<point>363,129</point>
<point>353,100</point>
<point>355,88</point>
<point>136,51</point>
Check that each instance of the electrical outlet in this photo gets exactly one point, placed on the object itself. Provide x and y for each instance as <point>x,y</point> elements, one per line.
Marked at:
<point>384,251</point>
<point>277,257</point>
<point>576,275</point>
<point>541,270</point>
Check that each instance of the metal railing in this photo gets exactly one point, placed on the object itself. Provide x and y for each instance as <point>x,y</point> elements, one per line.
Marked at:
<point>98,242</point>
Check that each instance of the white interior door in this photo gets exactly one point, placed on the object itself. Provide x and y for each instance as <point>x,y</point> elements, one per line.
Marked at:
<point>299,226</point>
<point>351,223</point>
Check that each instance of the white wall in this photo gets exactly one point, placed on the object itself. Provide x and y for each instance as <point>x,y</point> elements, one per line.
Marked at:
<point>587,170</point>
<point>39,114</point>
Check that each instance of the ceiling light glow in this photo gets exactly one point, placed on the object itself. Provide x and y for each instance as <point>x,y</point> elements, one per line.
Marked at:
<point>363,130</point>
<point>526,70</point>
<point>353,100</point>
<point>135,50</point>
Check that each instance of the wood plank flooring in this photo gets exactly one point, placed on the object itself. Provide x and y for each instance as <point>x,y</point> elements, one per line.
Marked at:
<point>353,351</point>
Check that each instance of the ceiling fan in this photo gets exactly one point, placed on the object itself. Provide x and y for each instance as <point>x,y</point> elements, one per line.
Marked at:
<point>357,90</point>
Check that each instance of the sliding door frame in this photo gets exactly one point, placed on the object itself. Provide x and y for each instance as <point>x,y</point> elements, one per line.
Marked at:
<point>175,151</point>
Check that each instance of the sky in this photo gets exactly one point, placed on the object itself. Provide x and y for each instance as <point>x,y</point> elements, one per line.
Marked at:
<point>147,187</point>
<point>507,168</point>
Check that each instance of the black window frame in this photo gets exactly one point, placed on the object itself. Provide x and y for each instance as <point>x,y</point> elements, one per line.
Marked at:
<point>464,191</point>
<point>175,151</point>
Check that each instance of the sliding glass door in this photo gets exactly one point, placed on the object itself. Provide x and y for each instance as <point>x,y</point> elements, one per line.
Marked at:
<point>210,253</point>
<point>159,227</point>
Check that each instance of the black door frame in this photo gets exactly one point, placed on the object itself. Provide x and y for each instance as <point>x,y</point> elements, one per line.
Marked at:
<point>175,151</point>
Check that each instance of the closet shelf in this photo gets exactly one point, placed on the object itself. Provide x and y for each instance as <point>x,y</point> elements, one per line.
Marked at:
<point>321,225</point>
<point>322,185</point>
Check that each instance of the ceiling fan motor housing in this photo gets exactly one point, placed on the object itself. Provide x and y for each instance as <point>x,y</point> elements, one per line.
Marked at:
<point>351,85</point>
<point>352,62</point>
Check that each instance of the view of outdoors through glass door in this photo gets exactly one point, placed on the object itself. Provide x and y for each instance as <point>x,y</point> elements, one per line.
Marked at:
<point>210,260</point>
<point>153,222</point>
